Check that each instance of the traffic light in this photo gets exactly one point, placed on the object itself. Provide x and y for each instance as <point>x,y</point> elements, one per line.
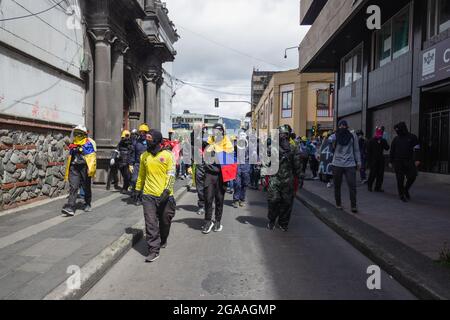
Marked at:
<point>216,102</point>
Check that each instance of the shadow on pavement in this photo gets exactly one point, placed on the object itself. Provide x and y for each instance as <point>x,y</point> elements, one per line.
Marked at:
<point>189,208</point>
<point>192,223</point>
<point>254,221</point>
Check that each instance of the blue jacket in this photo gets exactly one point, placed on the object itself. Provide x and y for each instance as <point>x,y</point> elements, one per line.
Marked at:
<point>139,147</point>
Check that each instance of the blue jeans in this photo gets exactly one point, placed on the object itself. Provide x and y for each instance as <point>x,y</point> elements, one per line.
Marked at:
<point>240,184</point>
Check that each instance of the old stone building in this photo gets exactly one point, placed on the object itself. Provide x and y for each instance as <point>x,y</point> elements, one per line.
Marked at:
<point>92,62</point>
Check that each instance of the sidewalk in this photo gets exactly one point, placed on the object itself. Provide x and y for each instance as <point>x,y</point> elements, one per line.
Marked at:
<point>422,224</point>
<point>37,245</point>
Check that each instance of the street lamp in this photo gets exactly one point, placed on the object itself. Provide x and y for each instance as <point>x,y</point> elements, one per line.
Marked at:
<point>285,51</point>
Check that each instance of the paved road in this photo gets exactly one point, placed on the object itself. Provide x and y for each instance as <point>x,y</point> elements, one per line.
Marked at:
<point>246,261</point>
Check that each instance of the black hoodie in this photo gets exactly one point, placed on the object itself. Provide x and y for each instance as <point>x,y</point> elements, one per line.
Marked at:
<point>405,146</point>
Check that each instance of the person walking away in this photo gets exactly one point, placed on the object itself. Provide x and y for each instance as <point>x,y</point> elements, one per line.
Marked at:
<point>243,175</point>
<point>125,149</point>
<point>81,168</point>
<point>346,161</point>
<point>139,148</point>
<point>281,185</point>
<point>375,160</point>
<point>405,158</point>
<point>200,174</point>
<point>304,153</point>
<point>156,181</point>
<point>363,150</point>
<point>313,163</point>
<point>220,148</point>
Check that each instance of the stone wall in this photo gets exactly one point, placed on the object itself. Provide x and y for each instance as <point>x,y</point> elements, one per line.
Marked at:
<point>32,165</point>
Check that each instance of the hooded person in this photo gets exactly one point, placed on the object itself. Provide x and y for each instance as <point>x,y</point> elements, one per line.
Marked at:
<point>220,168</point>
<point>281,186</point>
<point>125,161</point>
<point>156,181</point>
<point>81,168</point>
<point>139,147</point>
<point>244,170</point>
<point>375,160</point>
<point>346,161</point>
<point>405,158</point>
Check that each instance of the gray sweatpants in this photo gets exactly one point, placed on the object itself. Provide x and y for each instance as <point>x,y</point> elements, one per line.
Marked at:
<point>350,176</point>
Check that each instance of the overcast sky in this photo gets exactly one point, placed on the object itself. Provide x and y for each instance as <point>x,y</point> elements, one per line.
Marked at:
<point>222,41</point>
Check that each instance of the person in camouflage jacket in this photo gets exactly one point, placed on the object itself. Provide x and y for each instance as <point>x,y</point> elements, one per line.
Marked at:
<point>281,189</point>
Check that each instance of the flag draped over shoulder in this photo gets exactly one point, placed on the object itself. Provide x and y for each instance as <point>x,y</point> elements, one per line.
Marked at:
<point>224,154</point>
<point>89,149</point>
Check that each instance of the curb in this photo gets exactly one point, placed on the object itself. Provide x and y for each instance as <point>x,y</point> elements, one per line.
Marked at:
<point>94,270</point>
<point>418,273</point>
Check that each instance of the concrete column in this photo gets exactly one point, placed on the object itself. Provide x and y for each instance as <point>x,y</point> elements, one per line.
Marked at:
<point>152,100</point>
<point>117,82</point>
<point>102,87</point>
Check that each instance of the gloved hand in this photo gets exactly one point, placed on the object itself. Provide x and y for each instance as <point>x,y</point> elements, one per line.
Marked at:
<point>131,168</point>
<point>189,170</point>
<point>164,196</point>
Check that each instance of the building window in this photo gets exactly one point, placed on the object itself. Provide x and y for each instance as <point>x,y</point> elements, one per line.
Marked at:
<point>438,17</point>
<point>352,67</point>
<point>286,104</point>
<point>393,40</point>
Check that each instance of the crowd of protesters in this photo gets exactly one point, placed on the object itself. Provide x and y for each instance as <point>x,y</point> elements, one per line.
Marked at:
<point>149,166</point>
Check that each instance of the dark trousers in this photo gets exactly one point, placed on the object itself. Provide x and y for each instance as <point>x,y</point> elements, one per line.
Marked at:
<point>350,176</point>
<point>281,202</point>
<point>158,220</point>
<point>240,185</point>
<point>215,190</point>
<point>200,185</point>
<point>113,177</point>
<point>78,177</point>
<point>255,176</point>
<point>405,169</point>
<point>314,165</point>
<point>304,164</point>
<point>126,175</point>
<point>376,174</point>
<point>362,170</point>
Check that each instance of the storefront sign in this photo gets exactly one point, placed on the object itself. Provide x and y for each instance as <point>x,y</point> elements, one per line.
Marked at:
<point>436,63</point>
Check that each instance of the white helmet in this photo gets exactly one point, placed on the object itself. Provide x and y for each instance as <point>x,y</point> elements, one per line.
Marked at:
<point>81,128</point>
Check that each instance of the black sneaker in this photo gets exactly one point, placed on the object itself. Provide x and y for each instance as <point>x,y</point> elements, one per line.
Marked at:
<point>201,212</point>
<point>68,212</point>
<point>271,226</point>
<point>164,245</point>
<point>284,229</point>
<point>208,227</point>
<point>355,210</point>
<point>218,227</point>
<point>403,198</point>
<point>152,257</point>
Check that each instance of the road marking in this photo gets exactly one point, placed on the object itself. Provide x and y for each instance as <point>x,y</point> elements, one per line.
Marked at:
<point>35,229</point>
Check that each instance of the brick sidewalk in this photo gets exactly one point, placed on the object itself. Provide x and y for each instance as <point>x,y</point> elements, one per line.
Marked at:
<point>422,224</point>
<point>37,244</point>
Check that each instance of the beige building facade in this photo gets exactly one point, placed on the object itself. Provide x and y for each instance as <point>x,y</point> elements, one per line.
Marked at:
<point>299,100</point>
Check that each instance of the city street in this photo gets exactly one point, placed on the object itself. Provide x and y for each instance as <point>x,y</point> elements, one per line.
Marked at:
<point>246,261</point>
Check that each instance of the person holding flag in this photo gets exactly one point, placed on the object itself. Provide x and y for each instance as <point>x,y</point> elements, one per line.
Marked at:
<point>81,168</point>
<point>220,168</point>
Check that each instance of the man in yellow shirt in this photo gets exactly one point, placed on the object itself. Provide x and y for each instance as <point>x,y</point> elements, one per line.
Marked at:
<point>156,180</point>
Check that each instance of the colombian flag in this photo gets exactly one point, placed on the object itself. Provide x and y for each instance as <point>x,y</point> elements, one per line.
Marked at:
<point>224,152</point>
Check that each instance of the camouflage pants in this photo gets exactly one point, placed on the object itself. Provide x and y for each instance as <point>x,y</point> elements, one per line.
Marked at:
<point>281,201</point>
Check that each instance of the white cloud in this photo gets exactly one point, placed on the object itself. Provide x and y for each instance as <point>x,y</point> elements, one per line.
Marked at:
<point>259,28</point>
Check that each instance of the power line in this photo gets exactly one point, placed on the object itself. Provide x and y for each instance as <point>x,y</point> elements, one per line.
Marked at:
<point>44,21</point>
<point>32,14</point>
<point>229,48</point>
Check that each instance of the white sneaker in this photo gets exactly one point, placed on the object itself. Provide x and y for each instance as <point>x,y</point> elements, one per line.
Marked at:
<point>329,185</point>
